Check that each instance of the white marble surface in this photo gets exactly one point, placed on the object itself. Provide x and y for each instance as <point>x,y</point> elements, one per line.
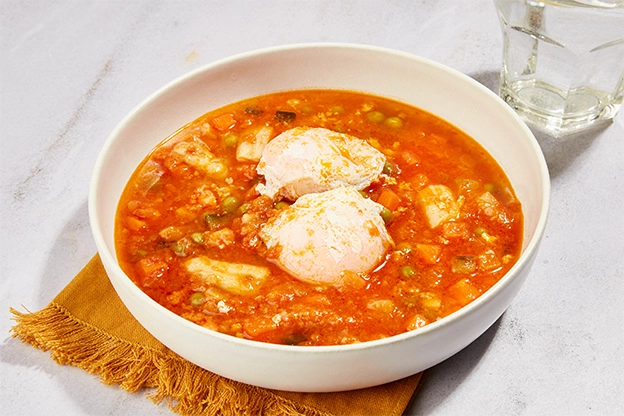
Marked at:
<point>71,70</point>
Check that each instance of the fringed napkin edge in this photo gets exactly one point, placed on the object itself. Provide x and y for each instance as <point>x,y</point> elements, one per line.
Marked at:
<point>186,388</point>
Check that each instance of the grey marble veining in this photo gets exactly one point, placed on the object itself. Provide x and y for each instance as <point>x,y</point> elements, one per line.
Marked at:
<point>70,71</point>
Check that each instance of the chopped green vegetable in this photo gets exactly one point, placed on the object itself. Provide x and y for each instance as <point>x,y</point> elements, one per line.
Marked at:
<point>463,264</point>
<point>214,221</point>
<point>484,235</point>
<point>285,116</point>
<point>281,205</point>
<point>388,168</point>
<point>294,339</point>
<point>490,187</point>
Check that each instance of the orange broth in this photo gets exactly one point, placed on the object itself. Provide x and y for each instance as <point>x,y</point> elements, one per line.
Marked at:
<point>171,210</point>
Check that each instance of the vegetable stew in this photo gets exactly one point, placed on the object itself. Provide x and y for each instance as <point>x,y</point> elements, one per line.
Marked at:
<point>233,223</point>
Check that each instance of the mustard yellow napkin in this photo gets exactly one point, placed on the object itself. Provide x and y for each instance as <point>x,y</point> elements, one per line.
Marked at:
<point>87,326</point>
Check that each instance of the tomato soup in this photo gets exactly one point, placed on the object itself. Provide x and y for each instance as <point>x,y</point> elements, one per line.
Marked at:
<point>317,217</point>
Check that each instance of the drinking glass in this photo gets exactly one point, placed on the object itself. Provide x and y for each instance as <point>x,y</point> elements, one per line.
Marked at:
<point>563,61</point>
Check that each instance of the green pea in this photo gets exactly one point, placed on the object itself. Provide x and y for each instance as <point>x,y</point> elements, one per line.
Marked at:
<point>408,272</point>
<point>197,299</point>
<point>336,109</point>
<point>375,117</point>
<point>393,122</point>
<point>178,248</point>
<point>230,204</point>
<point>386,215</point>
<point>230,140</point>
<point>243,209</point>
<point>197,238</point>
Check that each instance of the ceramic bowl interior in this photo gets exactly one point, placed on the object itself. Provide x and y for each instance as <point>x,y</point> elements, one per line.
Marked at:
<point>413,80</point>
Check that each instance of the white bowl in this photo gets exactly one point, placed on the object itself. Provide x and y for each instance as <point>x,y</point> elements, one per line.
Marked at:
<point>413,80</point>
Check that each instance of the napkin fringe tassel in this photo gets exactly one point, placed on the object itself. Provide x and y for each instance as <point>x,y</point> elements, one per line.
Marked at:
<point>185,387</point>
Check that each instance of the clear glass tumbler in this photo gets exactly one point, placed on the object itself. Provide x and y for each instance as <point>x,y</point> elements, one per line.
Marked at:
<point>563,61</point>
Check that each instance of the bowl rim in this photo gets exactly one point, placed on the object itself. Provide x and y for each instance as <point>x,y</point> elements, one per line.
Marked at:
<point>526,256</point>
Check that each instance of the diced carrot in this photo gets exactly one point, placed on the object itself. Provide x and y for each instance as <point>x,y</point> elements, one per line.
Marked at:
<point>185,215</point>
<point>455,230</point>
<point>258,325</point>
<point>148,266</point>
<point>430,301</point>
<point>389,199</point>
<point>429,253</point>
<point>419,181</point>
<point>223,122</point>
<point>418,321</point>
<point>488,260</point>
<point>464,292</point>
<point>134,223</point>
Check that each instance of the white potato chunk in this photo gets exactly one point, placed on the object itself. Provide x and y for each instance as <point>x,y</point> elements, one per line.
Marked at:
<point>488,261</point>
<point>439,204</point>
<point>237,278</point>
<point>489,205</point>
<point>251,144</point>
<point>307,160</point>
<point>196,153</point>
<point>150,175</point>
<point>328,237</point>
<point>381,305</point>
